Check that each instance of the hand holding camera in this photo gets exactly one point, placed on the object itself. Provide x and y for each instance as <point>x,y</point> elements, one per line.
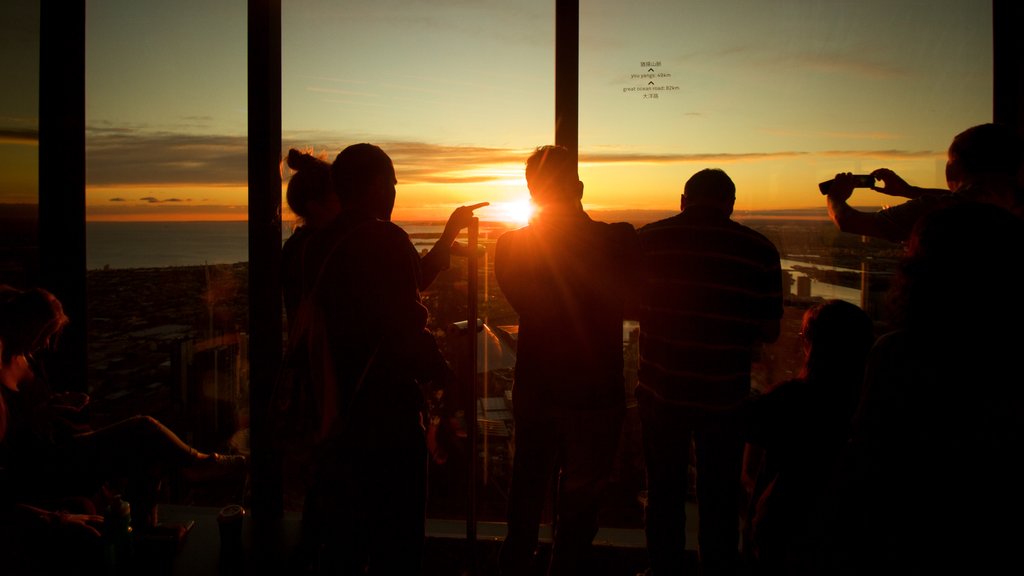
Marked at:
<point>853,180</point>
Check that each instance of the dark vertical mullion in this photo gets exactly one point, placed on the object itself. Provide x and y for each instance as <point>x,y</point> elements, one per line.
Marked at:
<point>567,72</point>
<point>265,323</point>
<point>62,179</point>
<point>1007,55</point>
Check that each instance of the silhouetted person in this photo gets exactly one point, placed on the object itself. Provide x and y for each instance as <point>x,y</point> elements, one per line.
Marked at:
<point>50,457</point>
<point>567,276</point>
<point>802,426</point>
<point>934,474</point>
<point>984,164</point>
<point>311,198</point>
<point>373,357</point>
<point>712,294</point>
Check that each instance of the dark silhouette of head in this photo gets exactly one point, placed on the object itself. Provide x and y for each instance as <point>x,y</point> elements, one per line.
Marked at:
<point>982,154</point>
<point>552,178</point>
<point>710,187</point>
<point>364,180</point>
<point>309,189</point>
<point>837,336</point>
<point>30,320</point>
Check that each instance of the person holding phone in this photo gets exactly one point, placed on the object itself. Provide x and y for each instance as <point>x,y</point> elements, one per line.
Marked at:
<point>983,164</point>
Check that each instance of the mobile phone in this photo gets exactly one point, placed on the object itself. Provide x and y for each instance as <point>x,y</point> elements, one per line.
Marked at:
<point>860,181</point>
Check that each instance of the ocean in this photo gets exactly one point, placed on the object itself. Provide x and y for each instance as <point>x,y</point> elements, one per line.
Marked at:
<point>121,245</point>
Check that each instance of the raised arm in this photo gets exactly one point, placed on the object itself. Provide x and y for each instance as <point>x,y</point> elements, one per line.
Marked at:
<point>440,256</point>
<point>854,221</point>
<point>894,185</point>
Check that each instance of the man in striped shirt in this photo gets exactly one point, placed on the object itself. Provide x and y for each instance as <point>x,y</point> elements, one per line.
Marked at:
<point>712,295</point>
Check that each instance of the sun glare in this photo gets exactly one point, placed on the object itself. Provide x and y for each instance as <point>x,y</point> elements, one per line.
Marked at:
<point>518,212</point>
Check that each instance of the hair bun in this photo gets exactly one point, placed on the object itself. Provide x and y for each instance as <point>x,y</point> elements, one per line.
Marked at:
<point>297,160</point>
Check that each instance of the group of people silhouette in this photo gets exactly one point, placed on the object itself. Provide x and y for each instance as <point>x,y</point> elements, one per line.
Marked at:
<point>892,450</point>
<point>835,442</point>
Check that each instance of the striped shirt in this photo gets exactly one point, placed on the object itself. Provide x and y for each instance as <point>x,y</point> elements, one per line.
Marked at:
<point>712,286</point>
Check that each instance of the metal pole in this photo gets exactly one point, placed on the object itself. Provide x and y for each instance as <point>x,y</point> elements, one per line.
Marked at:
<point>470,370</point>
<point>265,322</point>
<point>470,375</point>
<point>567,74</point>
<point>61,232</point>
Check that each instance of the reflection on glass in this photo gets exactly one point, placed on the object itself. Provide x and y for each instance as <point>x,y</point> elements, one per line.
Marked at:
<point>167,255</point>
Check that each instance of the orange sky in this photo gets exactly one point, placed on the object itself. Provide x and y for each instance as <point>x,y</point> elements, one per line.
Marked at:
<point>459,95</point>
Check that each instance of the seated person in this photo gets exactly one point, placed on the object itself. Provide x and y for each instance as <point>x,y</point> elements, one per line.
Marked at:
<point>801,426</point>
<point>47,457</point>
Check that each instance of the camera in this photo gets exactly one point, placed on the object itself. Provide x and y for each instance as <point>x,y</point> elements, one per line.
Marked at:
<point>860,181</point>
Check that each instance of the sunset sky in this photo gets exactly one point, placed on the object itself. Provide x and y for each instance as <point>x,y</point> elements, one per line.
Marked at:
<point>780,94</point>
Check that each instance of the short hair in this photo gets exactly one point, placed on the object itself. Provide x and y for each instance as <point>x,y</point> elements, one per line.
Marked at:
<point>710,186</point>
<point>987,149</point>
<point>839,334</point>
<point>357,169</point>
<point>551,174</point>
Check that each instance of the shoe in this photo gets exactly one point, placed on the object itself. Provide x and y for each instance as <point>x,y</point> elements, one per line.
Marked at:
<point>216,467</point>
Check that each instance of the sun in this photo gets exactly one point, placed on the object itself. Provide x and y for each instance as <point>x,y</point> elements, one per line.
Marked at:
<point>518,212</point>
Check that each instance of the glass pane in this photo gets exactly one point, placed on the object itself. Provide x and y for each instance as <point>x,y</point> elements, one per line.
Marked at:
<point>19,142</point>
<point>166,204</point>
<point>782,96</point>
<point>457,94</point>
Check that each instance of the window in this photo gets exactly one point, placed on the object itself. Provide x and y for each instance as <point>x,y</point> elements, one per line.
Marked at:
<point>19,143</point>
<point>166,198</point>
<point>781,96</point>
<point>458,95</point>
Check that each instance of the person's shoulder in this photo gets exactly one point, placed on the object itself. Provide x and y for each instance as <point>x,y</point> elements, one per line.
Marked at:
<point>786,387</point>
<point>381,231</point>
<point>658,224</point>
<point>615,230</point>
<point>895,339</point>
<point>298,237</point>
<point>754,235</point>
<point>735,225</point>
<point>925,203</point>
<point>510,237</point>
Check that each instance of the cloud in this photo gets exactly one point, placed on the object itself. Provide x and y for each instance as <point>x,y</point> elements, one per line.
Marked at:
<point>19,136</point>
<point>129,157</point>
<point>153,200</point>
<point>849,65</point>
<point>630,158</point>
<point>125,157</point>
<point>834,134</point>
<point>163,211</point>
